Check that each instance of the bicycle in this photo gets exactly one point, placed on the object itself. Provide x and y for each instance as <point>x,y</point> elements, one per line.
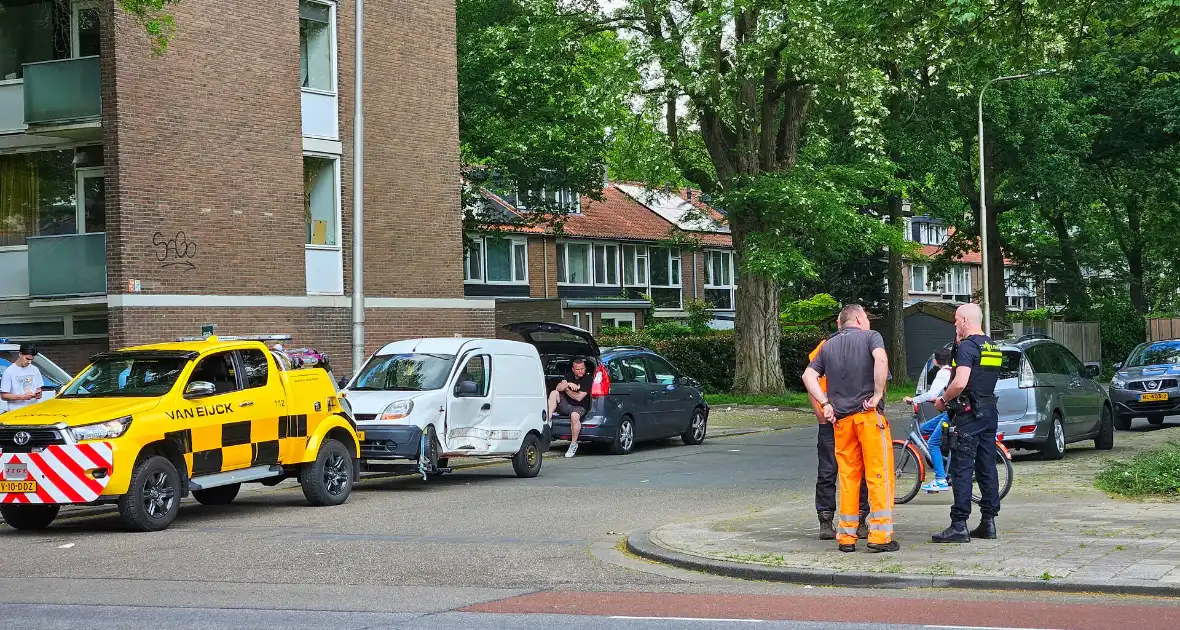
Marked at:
<point>915,451</point>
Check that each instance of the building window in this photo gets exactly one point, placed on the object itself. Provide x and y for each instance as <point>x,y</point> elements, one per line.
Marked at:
<point>665,277</point>
<point>321,199</point>
<point>573,263</point>
<point>564,200</point>
<point>634,266</point>
<point>606,265</point>
<point>719,279</point>
<point>927,232</point>
<point>44,193</point>
<point>1020,290</point>
<point>316,46</point>
<point>618,320</point>
<point>497,260</point>
<point>920,281</point>
<point>956,284</point>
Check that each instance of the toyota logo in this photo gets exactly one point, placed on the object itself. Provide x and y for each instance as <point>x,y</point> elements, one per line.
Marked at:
<point>21,438</point>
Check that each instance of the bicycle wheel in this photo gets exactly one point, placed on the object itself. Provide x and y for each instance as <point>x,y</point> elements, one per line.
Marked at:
<point>908,471</point>
<point>1003,479</point>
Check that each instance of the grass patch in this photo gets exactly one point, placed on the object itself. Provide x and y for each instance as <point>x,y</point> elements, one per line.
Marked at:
<point>896,391</point>
<point>1151,473</point>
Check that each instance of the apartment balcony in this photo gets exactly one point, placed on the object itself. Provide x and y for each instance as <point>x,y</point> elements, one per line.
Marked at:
<point>63,98</point>
<point>71,265</point>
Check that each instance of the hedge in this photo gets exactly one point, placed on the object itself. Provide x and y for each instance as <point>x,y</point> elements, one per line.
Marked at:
<point>710,358</point>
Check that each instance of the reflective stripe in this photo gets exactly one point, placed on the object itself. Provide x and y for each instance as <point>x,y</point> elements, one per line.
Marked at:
<point>881,514</point>
<point>847,531</point>
<point>845,518</point>
<point>884,527</point>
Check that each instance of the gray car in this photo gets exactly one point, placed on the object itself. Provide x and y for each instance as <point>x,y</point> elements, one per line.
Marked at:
<point>1046,398</point>
<point>1147,385</point>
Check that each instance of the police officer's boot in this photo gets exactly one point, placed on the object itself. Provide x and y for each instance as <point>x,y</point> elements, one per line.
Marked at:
<point>986,529</point>
<point>827,531</point>
<point>862,529</point>
<point>956,533</point>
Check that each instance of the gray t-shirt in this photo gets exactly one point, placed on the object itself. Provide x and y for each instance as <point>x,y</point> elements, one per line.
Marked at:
<point>847,361</point>
<point>21,380</point>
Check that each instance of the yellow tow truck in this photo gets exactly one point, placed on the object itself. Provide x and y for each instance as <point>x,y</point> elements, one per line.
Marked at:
<point>145,426</point>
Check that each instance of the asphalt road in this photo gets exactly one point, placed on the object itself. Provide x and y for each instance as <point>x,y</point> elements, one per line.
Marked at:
<point>479,548</point>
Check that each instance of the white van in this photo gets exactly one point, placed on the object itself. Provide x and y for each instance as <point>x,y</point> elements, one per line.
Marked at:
<point>423,401</point>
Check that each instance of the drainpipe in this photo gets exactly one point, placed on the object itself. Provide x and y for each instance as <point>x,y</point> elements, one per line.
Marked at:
<point>545,256</point>
<point>695,295</point>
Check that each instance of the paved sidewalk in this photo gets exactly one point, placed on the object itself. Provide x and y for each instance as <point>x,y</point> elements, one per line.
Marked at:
<point>1056,532</point>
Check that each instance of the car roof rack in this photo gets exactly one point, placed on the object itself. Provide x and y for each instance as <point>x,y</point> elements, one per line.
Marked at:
<point>1031,336</point>
<point>643,348</point>
<point>208,334</point>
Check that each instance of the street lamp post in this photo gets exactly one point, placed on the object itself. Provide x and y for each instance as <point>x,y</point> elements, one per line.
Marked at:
<point>358,197</point>
<point>987,316</point>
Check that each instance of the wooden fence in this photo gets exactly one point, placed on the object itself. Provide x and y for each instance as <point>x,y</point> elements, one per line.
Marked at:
<point>1084,339</point>
<point>1159,329</point>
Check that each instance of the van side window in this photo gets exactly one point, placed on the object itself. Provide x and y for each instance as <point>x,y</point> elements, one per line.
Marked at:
<point>255,367</point>
<point>478,369</point>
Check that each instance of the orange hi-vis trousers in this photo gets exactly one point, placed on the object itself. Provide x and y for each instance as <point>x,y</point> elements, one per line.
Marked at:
<point>864,446</point>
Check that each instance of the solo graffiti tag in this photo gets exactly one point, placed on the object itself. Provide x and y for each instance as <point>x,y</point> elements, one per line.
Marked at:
<point>177,251</point>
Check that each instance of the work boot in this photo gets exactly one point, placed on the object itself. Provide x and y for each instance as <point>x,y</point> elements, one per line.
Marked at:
<point>827,531</point>
<point>986,529</point>
<point>956,533</point>
<point>884,547</point>
<point>862,529</point>
<point>848,548</point>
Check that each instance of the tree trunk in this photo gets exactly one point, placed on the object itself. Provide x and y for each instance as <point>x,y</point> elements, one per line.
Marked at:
<point>757,332</point>
<point>996,290</point>
<point>1071,276</point>
<point>1134,253</point>
<point>897,353</point>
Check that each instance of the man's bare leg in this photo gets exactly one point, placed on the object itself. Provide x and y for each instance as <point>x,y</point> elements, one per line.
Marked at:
<point>575,429</point>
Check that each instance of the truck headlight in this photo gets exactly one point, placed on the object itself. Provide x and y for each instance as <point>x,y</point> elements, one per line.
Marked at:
<point>101,430</point>
<point>398,410</point>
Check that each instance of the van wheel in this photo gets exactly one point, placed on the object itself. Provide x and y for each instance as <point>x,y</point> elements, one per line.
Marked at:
<point>221,495</point>
<point>433,461</point>
<point>1055,443</point>
<point>1105,439</point>
<point>328,480</point>
<point>527,461</point>
<point>624,441</point>
<point>28,517</point>
<point>695,433</point>
<point>153,496</point>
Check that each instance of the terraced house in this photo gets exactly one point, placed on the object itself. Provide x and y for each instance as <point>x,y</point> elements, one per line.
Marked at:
<point>142,196</point>
<point>609,258</point>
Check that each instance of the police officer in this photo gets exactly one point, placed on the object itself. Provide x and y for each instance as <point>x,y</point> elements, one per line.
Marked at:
<point>971,399</point>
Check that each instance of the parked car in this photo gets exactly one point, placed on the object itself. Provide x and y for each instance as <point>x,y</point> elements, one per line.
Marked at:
<point>638,395</point>
<point>52,376</point>
<point>1147,384</point>
<point>423,401</point>
<point>1046,398</point>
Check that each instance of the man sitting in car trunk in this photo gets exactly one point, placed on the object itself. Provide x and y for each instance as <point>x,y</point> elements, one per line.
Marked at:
<point>571,398</point>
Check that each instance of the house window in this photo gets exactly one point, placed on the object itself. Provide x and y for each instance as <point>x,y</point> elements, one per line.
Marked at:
<point>44,193</point>
<point>321,199</point>
<point>719,279</point>
<point>927,232</point>
<point>606,265</point>
<point>634,266</point>
<point>497,260</point>
<point>573,263</point>
<point>316,48</point>
<point>665,277</point>
<point>618,320</point>
<point>565,200</point>
<point>1020,290</point>
<point>920,281</point>
<point>957,284</point>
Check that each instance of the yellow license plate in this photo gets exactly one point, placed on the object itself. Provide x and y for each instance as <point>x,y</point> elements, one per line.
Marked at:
<point>1150,397</point>
<point>18,486</point>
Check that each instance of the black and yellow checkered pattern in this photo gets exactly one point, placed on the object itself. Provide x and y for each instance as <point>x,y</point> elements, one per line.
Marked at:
<point>233,445</point>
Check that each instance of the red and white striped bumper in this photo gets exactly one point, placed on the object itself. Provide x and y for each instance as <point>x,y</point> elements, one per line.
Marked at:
<point>61,473</point>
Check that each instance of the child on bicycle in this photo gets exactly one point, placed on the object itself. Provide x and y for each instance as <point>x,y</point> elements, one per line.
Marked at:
<point>942,358</point>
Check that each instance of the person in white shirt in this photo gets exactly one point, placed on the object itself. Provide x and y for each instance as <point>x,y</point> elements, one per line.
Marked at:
<point>942,358</point>
<point>21,384</point>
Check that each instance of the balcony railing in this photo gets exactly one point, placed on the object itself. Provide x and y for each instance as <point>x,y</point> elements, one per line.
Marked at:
<point>63,92</point>
<point>68,265</point>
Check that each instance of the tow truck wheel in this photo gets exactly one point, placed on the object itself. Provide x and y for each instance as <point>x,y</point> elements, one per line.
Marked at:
<point>221,495</point>
<point>527,461</point>
<point>328,480</point>
<point>25,517</point>
<point>153,497</point>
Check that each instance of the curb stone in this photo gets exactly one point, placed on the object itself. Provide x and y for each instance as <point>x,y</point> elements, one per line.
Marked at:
<point>641,544</point>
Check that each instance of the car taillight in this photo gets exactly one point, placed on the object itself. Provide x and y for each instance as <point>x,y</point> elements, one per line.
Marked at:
<point>1027,378</point>
<point>601,385</point>
<point>1028,428</point>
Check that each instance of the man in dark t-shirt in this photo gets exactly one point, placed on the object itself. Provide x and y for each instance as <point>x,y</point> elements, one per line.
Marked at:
<point>571,398</point>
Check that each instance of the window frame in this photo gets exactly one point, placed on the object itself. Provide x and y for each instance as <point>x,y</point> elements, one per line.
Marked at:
<point>615,259</point>
<point>80,177</point>
<point>618,317</point>
<point>76,8</point>
<point>929,287</point>
<point>635,358</point>
<point>948,282</point>
<point>711,275</point>
<point>651,360</point>
<point>233,359</point>
<point>563,253</point>
<point>515,242</point>
<point>241,362</point>
<point>461,366</point>
<point>333,46</point>
<point>639,252</point>
<point>337,200</point>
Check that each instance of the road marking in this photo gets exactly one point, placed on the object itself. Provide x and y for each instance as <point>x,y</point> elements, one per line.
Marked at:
<point>983,628</point>
<point>713,619</point>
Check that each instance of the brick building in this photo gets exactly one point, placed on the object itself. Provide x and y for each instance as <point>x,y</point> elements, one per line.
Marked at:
<point>142,196</point>
<point>609,254</point>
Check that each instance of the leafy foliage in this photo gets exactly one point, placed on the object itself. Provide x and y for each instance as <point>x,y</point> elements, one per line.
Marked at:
<point>811,310</point>
<point>156,18</point>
